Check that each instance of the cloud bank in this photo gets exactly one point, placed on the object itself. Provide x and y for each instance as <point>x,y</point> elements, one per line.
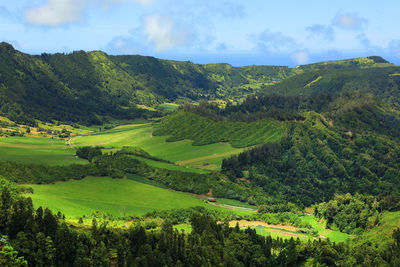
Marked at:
<point>156,32</point>
<point>165,34</point>
<point>55,13</point>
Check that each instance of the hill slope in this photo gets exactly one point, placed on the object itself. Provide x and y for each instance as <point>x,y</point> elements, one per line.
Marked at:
<point>85,87</point>
<point>383,82</point>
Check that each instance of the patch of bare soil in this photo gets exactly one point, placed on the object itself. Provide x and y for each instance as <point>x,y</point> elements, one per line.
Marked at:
<point>245,224</point>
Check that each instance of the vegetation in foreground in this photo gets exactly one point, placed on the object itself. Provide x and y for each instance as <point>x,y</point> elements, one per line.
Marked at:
<point>42,238</point>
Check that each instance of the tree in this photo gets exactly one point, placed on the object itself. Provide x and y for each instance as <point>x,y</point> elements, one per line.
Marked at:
<point>9,258</point>
<point>5,206</point>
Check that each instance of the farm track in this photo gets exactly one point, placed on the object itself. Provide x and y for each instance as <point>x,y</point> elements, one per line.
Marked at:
<point>185,162</point>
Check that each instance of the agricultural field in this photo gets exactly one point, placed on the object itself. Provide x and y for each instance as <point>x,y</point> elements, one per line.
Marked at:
<point>37,150</point>
<point>138,196</point>
<point>283,231</point>
<point>289,231</point>
<point>334,236</point>
<point>182,152</point>
<point>382,233</point>
<point>203,130</point>
<point>117,197</point>
<point>169,166</point>
<point>170,107</point>
<point>234,203</point>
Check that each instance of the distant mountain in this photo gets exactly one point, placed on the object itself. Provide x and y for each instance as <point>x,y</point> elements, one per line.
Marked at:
<point>86,86</point>
<point>355,63</point>
<point>369,75</point>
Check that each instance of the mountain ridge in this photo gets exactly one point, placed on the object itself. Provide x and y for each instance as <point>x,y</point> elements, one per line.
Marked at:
<point>91,87</point>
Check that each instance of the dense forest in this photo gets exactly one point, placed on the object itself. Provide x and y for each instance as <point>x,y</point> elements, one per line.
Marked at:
<point>313,162</point>
<point>43,239</point>
<point>91,87</point>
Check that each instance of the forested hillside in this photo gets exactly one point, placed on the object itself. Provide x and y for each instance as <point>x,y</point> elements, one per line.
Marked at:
<point>341,133</point>
<point>383,82</point>
<point>89,87</point>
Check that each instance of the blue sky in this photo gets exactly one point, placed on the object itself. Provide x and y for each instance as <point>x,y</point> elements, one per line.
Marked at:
<point>249,32</point>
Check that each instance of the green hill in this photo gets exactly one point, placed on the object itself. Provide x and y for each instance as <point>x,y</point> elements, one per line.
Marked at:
<point>382,82</point>
<point>355,63</point>
<point>88,87</point>
<point>203,131</point>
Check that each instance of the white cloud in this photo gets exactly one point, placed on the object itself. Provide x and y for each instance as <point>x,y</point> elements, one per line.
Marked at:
<point>55,13</point>
<point>164,33</point>
<point>349,21</point>
<point>275,41</point>
<point>156,33</point>
<point>301,57</point>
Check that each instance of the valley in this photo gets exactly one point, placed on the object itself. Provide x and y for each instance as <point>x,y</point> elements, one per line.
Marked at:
<point>141,135</point>
<point>165,158</point>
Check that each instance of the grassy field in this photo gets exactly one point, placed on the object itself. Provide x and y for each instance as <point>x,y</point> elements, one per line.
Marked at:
<point>231,202</point>
<point>382,233</point>
<point>275,233</point>
<point>168,106</point>
<point>334,236</point>
<point>114,196</point>
<point>284,231</point>
<point>37,150</point>
<point>168,166</point>
<point>138,196</point>
<point>140,135</point>
<point>118,197</point>
<point>187,228</point>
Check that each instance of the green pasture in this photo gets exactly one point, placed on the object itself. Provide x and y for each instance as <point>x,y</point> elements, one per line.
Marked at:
<point>187,228</point>
<point>140,135</point>
<point>168,166</point>
<point>275,233</point>
<point>334,236</point>
<point>168,106</point>
<point>117,197</point>
<point>37,150</point>
<point>232,202</point>
<point>381,234</point>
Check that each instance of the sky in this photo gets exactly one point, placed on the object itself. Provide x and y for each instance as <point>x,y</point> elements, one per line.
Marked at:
<point>252,32</point>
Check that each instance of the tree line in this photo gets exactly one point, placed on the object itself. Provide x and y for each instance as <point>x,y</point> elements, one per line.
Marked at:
<point>42,238</point>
